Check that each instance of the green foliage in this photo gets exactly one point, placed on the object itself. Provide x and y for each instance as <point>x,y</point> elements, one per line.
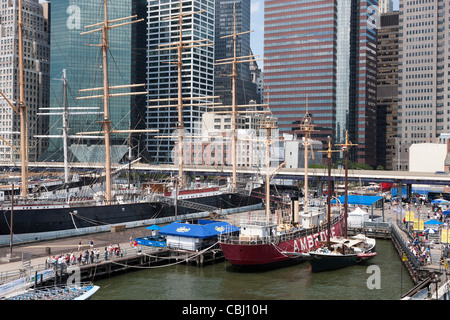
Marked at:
<point>351,165</point>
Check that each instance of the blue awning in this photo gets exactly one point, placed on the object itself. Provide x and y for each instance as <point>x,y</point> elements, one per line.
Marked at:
<point>359,200</point>
<point>153,227</point>
<point>440,201</point>
<point>198,230</point>
<point>433,222</point>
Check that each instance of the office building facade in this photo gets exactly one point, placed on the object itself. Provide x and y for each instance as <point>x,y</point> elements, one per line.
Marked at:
<point>81,57</point>
<point>424,91</point>
<point>387,89</point>
<point>36,75</point>
<point>320,58</point>
<point>162,73</point>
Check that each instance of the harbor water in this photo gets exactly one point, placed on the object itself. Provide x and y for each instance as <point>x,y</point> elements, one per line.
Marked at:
<point>382,278</point>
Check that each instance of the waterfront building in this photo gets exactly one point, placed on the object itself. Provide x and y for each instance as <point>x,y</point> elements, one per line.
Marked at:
<point>81,57</point>
<point>246,89</point>
<point>428,157</point>
<point>387,89</point>
<point>424,75</point>
<point>251,144</point>
<point>320,56</point>
<point>162,73</point>
<point>36,75</point>
<point>292,153</point>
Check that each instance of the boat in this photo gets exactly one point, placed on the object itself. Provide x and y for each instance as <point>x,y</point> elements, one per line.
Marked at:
<point>286,236</point>
<point>27,288</point>
<point>342,251</point>
<point>87,208</point>
<point>82,292</point>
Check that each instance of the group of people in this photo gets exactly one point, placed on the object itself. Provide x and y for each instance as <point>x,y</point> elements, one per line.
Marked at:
<point>421,251</point>
<point>75,258</point>
<point>80,257</point>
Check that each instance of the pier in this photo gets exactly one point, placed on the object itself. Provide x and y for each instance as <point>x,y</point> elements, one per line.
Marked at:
<point>28,259</point>
<point>143,257</point>
<point>377,230</point>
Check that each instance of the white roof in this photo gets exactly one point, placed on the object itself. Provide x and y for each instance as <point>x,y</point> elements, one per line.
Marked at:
<point>358,211</point>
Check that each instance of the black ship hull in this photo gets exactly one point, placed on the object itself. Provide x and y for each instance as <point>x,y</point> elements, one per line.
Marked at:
<point>38,219</point>
<point>322,262</point>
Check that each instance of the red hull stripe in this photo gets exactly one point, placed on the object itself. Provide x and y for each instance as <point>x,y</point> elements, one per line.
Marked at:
<point>261,254</point>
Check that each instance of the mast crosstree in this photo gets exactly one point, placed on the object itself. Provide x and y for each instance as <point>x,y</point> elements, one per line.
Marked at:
<point>179,46</point>
<point>105,26</point>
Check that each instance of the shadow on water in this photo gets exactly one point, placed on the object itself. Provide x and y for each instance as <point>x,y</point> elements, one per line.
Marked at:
<point>382,278</point>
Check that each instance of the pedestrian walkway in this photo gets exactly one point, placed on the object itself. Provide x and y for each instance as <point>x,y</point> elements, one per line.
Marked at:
<point>33,256</point>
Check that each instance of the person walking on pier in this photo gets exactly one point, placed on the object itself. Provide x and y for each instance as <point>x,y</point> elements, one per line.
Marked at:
<point>106,253</point>
<point>80,245</point>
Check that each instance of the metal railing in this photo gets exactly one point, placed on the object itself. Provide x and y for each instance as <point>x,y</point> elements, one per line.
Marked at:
<point>31,269</point>
<point>255,240</point>
<point>395,231</point>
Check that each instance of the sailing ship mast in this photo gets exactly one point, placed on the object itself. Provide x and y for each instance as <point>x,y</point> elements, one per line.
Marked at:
<point>345,147</point>
<point>107,25</point>
<point>22,111</point>
<point>179,46</point>
<point>329,152</point>
<point>234,61</point>
<point>269,125</point>
<point>64,112</point>
<point>306,127</point>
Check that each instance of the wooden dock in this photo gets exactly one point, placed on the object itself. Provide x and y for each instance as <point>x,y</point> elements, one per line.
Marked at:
<point>139,259</point>
<point>377,230</point>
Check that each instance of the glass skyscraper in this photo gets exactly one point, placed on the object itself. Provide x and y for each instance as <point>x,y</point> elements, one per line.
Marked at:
<point>320,58</point>
<point>162,73</point>
<point>224,26</point>
<point>81,56</point>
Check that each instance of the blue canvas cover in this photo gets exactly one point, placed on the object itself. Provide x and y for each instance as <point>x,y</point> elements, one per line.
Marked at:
<point>433,222</point>
<point>208,230</point>
<point>359,200</point>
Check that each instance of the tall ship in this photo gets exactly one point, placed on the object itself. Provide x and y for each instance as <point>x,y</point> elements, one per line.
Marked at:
<point>342,251</point>
<point>84,207</point>
<point>287,235</point>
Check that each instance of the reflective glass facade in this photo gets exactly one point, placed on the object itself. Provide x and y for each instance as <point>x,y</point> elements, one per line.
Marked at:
<point>321,55</point>
<point>223,48</point>
<point>83,64</point>
<point>162,74</point>
<point>300,63</point>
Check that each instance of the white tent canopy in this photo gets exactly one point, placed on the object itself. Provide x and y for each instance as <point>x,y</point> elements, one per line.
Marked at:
<point>357,217</point>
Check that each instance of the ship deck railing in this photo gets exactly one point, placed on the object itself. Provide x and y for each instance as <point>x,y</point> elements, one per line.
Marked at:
<point>53,293</point>
<point>28,269</point>
<point>273,239</point>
